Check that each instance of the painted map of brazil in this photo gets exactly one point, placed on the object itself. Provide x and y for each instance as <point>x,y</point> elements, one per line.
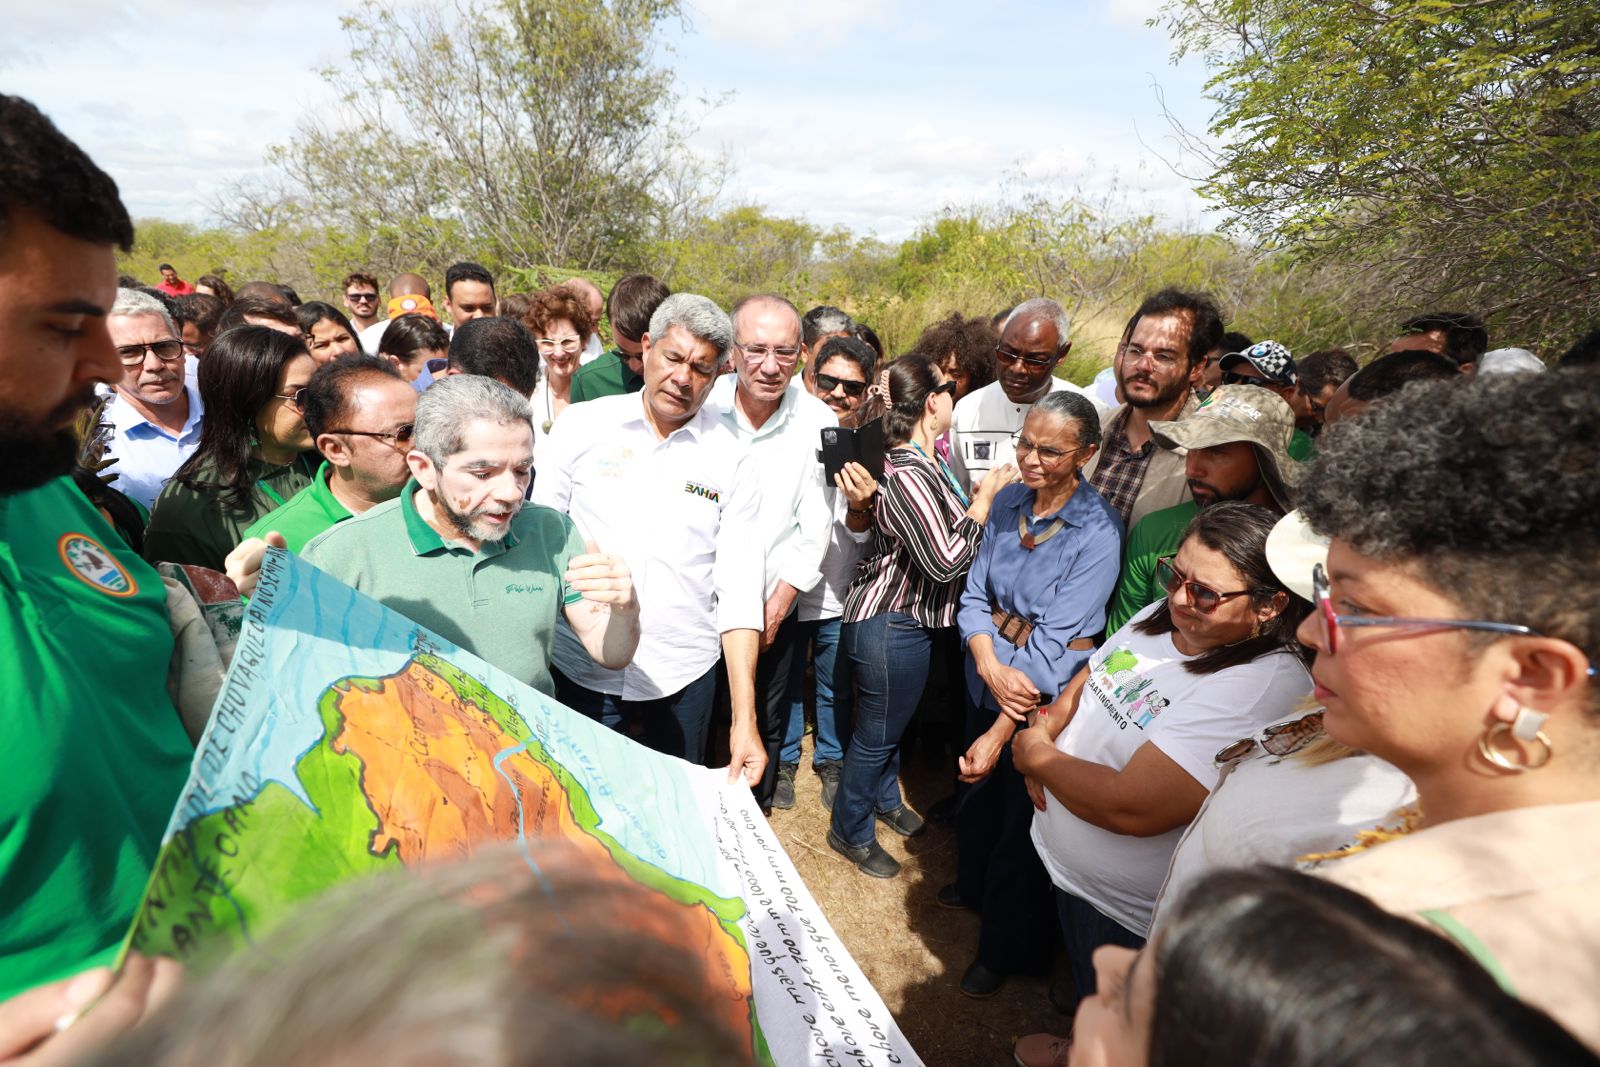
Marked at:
<point>348,740</point>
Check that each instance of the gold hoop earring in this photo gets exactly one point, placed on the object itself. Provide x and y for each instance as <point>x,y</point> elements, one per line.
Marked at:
<point>1527,727</point>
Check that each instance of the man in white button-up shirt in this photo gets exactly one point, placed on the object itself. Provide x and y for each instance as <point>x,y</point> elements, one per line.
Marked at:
<point>768,408</point>
<point>658,478</point>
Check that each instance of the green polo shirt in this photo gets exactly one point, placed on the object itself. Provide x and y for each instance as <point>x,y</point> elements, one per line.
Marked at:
<point>499,603</point>
<point>1154,536</point>
<point>309,512</point>
<point>1302,447</point>
<point>192,525</point>
<point>608,375</point>
<point>92,755</point>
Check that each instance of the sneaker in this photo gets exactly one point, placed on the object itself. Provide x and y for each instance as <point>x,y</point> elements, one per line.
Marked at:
<point>783,795</point>
<point>1041,1050</point>
<point>903,821</point>
<point>830,773</point>
<point>869,859</point>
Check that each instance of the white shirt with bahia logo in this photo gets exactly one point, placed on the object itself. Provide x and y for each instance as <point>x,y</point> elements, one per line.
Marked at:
<point>1138,693</point>
<point>682,513</point>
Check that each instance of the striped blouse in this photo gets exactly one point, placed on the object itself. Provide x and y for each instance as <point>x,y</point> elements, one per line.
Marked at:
<point>922,544</point>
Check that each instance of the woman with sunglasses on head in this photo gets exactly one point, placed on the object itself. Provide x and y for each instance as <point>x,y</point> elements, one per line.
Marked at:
<point>1457,629</point>
<point>252,455</point>
<point>925,535</point>
<point>1121,761</point>
<point>560,322</point>
<point>361,413</point>
<point>1034,601</point>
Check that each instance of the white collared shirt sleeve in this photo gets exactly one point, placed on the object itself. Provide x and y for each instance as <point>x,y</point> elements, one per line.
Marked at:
<point>558,454</point>
<point>739,570</point>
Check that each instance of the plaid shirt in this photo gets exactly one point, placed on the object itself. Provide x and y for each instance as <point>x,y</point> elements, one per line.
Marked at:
<point>1120,473</point>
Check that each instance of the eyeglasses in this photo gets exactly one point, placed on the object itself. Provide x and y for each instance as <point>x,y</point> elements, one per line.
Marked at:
<point>1233,377</point>
<point>1204,598</point>
<point>297,398</point>
<point>1022,446</point>
<point>361,298</point>
<point>1132,356</point>
<point>398,439</point>
<point>1330,623</point>
<point>827,383</point>
<point>944,387</point>
<point>565,344</point>
<point>1279,739</point>
<point>1005,355</point>
<point>168,351</point>
<point>786,354</point>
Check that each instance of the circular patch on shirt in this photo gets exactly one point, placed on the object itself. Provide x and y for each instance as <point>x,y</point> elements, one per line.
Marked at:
<point>94,566</point>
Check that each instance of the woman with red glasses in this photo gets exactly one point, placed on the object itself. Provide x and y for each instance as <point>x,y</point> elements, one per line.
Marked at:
<point>1457,625</point>
<point>1123,758</point>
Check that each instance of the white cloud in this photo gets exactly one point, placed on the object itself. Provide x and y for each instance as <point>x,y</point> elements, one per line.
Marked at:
<point>1132,12</point>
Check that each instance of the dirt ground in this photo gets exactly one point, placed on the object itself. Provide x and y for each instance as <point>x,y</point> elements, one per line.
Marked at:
<point>912,950</point>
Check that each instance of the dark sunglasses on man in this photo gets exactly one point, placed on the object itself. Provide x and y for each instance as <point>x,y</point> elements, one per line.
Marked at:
<point>827,383</point>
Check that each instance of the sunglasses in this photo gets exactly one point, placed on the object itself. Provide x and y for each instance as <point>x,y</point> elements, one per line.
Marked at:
<point>947,387</point>
<point>1280,739</point>
<point>169,351</point>
<point>296,398</point>
<point>398,438</point>
<point>827,383</point>
<point>361,298</point>
<point>1004,355</point>
<point>1202,598</point>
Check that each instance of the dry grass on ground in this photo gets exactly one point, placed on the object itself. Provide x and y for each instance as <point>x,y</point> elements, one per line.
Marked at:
<point>912,950</point>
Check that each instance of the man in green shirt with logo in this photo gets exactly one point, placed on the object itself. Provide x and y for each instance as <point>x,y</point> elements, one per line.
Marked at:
<point>92,753</point>
<point>360,412</point>
<point>619,370</point>
<point>460,553</point>
<point>1238,449</point>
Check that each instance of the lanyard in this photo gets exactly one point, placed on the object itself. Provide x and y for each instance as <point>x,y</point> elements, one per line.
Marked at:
<point>949,475</point>
<point>271,492</point>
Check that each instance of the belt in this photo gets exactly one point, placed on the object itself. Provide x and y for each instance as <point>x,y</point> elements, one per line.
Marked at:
<point>1015,628</point>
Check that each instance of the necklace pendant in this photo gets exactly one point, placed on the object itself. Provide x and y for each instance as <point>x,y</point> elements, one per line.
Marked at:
<point>547,424</point>
<point>1028,542</point>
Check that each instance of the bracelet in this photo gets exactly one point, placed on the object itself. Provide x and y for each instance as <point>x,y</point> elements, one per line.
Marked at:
<point>858,511</point>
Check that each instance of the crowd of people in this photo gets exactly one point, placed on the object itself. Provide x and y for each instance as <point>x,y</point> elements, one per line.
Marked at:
<point>1272,676</point>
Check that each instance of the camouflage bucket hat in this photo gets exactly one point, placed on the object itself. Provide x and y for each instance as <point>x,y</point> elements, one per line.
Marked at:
<point>1247,413</point>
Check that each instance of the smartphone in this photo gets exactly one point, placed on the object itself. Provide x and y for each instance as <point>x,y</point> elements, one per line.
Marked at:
<point>851,444</point>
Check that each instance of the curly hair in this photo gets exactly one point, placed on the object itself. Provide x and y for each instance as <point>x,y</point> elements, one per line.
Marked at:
<point>970,342</point>
<point>558,302</point>
<point>1487,486</point>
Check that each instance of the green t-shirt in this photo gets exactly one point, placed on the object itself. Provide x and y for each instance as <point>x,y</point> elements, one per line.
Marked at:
<point>309,512</point>
<point>608,375</point>
<point>1302,447</point>
<point>192,525</point>
<point>499,603</point>
<point>1154,536</point>
<point>92,754</point>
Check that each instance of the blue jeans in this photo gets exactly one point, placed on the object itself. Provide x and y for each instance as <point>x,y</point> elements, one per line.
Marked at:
<point>889,653</point>
<point>1085,928</point>
<point>675,724</point>
<point>833,675</point>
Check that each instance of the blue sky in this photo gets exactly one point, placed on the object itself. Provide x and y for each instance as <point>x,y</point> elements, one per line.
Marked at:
<point>871,114</point>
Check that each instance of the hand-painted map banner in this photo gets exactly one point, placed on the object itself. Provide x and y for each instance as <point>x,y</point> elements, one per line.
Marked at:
<point>348,740</point>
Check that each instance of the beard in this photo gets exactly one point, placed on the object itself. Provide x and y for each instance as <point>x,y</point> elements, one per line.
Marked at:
<point>1165,394</point>
<point>468,524</point>
<point>30,456</point>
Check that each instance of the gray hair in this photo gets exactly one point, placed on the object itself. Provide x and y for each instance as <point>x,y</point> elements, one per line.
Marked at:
<point>453,403</point>
<point>1041,308</point>
<point>700,316</point>
<point>822,320</point>
<point>131,302</point>
<point>1076,408</point>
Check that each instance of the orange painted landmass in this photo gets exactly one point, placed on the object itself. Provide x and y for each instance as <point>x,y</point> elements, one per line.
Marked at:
<point>429,774</point>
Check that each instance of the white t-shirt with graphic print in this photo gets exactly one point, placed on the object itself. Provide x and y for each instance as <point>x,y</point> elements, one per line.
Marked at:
<point>1139,692</point>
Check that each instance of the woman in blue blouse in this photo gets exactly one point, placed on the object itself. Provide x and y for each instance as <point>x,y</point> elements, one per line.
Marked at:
<point>1034,600</point>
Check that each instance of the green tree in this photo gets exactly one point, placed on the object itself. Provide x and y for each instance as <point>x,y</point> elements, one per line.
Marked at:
<point>1450,148</point>
<point>532,131</point>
